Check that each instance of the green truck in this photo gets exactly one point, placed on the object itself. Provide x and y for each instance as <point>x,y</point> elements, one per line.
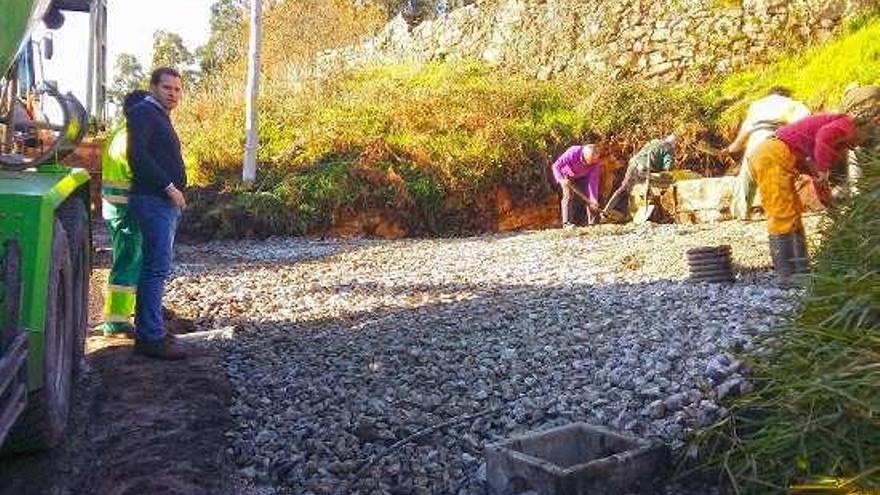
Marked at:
<point>45,237</point>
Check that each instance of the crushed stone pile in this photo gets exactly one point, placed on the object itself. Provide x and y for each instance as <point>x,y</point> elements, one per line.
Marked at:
<point>370,366</point>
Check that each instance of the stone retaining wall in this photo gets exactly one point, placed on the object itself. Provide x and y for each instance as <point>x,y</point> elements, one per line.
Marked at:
<point>673,40</point>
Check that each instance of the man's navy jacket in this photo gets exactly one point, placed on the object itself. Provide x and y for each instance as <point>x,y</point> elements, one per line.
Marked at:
<point>153,150</point>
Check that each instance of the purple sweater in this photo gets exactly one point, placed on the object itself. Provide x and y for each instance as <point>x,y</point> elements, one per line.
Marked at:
<point>570,165</point>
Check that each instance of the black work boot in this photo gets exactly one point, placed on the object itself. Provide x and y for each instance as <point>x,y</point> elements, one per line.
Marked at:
<point>781,247</point>
<point>166,349</point>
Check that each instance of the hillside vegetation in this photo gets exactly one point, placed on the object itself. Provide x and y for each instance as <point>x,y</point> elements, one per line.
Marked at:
<point>427,145</point>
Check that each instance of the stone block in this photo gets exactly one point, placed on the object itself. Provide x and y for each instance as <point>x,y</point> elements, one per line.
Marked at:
<point>576,459</point>
<point>713,194</point>
<point>656,57</point>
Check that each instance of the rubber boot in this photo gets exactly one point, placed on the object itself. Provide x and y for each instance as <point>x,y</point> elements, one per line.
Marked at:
<point>800,257</point>
<point>781,247</point>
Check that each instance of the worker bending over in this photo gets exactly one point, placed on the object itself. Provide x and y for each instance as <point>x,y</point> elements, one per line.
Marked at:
<point>813,145</point>
<point>657,155</point>
<point>763,118</point>
<point>578,171</point>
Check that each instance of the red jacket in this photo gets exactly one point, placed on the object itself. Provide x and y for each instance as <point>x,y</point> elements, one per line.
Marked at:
<point>823,138</point>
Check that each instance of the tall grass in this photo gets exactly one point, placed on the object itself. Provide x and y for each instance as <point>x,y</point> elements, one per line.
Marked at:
<point>814,415</point>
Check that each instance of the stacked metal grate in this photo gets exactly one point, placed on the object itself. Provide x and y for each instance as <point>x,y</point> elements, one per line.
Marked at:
<point>710,264</point>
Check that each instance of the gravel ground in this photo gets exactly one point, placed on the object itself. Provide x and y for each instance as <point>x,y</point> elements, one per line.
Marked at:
<point>339,351</point>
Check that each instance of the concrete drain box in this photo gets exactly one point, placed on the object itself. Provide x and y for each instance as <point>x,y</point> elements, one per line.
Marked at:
<point>577,459</point>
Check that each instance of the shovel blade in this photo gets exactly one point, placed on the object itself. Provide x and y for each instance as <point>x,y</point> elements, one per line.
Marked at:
<point>643,214</point>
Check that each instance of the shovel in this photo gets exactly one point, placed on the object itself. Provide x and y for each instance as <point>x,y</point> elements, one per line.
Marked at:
<point>597,214</point>
<point>646,209</point>
<point>609,212</point>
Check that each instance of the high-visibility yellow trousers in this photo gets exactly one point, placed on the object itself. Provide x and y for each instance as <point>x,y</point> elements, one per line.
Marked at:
<point>126,244</point>
<point>774,167</point>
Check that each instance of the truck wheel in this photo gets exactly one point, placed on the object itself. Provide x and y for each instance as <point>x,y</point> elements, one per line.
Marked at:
<point>75,220</point>
<point>42,424</point>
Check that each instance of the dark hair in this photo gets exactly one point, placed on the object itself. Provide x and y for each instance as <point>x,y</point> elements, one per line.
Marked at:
<point>133,98</point>
<point>157,74</point>
<point>779,90</point>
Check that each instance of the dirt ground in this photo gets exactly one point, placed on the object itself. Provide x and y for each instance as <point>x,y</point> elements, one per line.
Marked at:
<point>138,426</point>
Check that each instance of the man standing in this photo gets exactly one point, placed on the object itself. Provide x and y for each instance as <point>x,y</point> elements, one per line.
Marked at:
<point>125,236</point>
<point>657,155</point>
<point>764,117</point>
<point>156,203</point>
<point>577,171</point>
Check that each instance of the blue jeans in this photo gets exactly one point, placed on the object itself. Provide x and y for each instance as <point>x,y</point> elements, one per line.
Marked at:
<point>157,218</point>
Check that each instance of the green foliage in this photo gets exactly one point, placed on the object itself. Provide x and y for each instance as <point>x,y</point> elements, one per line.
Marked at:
<point>315,193</point>
<point>646,108</point>
<point>415,11</point>
<point>236,213</point>
<point>129,76</point>
<point>814,413</point>
<point>727,4</point>
<point>863,19</point>
<point>449,131</point>
<point>226,40</point>
<point>169,50</point>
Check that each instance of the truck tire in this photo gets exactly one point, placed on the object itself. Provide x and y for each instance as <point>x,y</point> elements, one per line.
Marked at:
<point>75,220</point>
<point>43,423</point>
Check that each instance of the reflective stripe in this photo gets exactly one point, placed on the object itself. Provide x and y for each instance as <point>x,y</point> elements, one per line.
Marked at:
<point>112,211</point>
<point>115,170</point>
<point>116,184</point>
<point>117,319</point>
<point>116,199</point>
<point>112,191</point>
<point>121,288</point>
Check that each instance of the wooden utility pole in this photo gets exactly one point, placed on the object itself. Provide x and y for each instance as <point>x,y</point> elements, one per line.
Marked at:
<point>249,171</point>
